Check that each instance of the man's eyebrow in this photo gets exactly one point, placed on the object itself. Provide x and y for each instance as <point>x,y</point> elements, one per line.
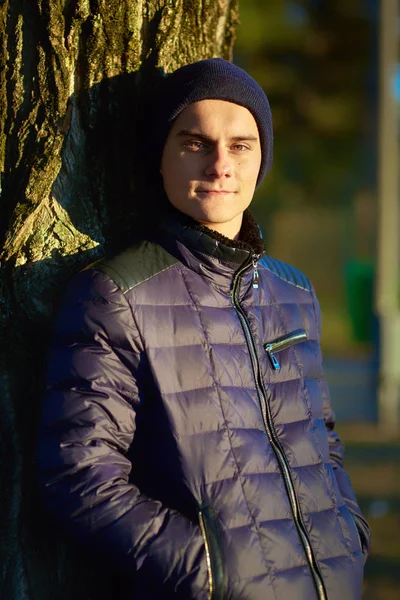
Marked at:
<point>206,138</point>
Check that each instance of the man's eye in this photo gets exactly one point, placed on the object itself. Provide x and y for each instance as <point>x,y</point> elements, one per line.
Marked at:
<point>240,147</point>
<point>194,145</point>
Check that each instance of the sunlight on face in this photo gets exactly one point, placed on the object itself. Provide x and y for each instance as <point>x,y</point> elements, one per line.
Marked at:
<point>210,163</point>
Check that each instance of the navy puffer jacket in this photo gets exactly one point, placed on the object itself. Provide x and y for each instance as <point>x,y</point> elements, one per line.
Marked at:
<point>187,433</point>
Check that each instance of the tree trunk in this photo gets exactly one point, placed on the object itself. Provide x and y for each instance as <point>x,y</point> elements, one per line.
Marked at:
<point>73,75</point>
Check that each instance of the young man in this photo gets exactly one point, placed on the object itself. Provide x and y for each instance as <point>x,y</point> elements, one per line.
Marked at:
<point>187,433</point>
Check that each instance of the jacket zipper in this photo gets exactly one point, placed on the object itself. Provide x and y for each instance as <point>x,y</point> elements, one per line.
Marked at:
<point>281,343</point>
<point>255,270</point>
<point>273,438</point>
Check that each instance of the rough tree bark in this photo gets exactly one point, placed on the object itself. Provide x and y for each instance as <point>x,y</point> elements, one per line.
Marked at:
<point>72,75</point>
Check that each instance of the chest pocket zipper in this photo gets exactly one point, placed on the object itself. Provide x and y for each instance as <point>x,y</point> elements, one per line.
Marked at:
<point>281,343</point>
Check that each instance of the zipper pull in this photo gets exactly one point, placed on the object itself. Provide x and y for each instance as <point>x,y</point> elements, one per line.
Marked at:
<point>255,272</point>
<point>274,361</point>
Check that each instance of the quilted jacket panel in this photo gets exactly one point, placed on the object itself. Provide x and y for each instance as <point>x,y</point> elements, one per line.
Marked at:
<point>154,450</point>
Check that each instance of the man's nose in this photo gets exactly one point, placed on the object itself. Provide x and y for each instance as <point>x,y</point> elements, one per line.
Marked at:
<point>219,163</point>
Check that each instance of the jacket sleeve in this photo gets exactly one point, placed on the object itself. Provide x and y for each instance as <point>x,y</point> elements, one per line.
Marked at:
<point>336,451</point>
<point>87,425</point>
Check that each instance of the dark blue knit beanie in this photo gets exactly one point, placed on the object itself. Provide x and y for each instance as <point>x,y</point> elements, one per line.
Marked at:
<point>217,79</point>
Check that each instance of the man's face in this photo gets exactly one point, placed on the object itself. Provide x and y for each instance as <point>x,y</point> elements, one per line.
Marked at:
<point>210,163</point>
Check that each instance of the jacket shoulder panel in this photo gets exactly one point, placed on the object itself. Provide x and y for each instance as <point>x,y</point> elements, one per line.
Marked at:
<point>136,264</point>
<point>286,272</point>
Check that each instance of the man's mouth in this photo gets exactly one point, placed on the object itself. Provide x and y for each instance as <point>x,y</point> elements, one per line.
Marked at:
<point>214,191</point>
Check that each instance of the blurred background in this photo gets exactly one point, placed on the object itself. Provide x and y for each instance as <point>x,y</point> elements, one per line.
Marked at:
<point>330,207</point>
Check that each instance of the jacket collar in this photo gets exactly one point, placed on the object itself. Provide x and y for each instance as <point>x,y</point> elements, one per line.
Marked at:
<point>200,238</point>
<point>206,251</point>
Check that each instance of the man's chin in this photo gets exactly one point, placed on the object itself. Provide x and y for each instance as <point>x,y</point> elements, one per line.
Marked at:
<point>213,219</point>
